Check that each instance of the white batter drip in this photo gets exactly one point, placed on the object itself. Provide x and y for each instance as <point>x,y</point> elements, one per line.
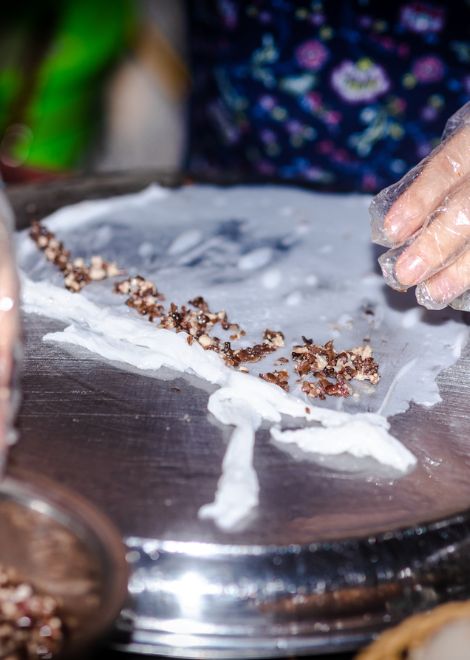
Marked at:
<point>257,251</point>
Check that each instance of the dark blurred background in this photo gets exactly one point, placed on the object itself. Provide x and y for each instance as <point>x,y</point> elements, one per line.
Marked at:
<point>344,94</point>
<point>91,86</point>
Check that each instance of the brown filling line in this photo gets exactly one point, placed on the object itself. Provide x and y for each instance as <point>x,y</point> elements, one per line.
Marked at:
<point>331,369</point>
<point>77,273</point>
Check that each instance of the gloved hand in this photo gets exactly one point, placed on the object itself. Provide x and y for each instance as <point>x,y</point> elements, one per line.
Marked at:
<point>425,219</point>
<point>9,331</point>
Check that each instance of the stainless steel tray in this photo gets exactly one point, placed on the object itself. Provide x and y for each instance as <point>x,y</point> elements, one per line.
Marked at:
<point>296,581</point>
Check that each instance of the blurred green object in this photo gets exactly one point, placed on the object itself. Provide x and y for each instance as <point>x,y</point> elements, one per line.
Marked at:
<point>54,57</point>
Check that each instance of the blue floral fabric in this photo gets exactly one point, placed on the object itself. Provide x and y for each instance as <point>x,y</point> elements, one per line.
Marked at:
<point>345,93</point>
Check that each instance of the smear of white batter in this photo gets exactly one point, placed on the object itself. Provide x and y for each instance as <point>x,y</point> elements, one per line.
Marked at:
<point>146,250</point>
<point>255,259</point>
<point>224,267</point>
<point>406,368</point>
<point>358,437</point>
<point>238,488</point>
<point>294,298</point>
<point>411,317</point>
<point>271,278</point>
<point>185,241</point>
<point>311,280</point>
<point>459,343</point>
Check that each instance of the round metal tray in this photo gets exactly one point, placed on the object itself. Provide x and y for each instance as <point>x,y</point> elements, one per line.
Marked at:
<point>294,582</point>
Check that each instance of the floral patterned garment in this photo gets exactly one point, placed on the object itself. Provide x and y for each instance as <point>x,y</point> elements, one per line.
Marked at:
<point>348,94</point>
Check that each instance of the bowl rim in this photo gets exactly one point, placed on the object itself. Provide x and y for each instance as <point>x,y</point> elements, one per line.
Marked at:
<point>86,522</point>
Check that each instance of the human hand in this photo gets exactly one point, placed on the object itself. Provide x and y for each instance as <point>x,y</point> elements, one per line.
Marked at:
<point>9,330</point>
<point>425,219</point>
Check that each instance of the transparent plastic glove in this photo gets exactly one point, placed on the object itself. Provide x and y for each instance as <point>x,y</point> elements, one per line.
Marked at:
<point>425,219</point>
<point>9,331</point>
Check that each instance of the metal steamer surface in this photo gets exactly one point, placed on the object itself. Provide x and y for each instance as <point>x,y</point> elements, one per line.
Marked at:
<point>329,560</point>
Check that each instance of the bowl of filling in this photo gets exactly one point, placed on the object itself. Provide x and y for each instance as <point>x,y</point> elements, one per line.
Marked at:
<point>63,572</point>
